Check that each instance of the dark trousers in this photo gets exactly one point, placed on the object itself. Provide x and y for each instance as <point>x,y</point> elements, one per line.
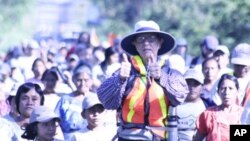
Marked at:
<point>121,139</point>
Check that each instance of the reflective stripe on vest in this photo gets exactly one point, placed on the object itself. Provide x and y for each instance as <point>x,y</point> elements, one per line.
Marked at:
<point>133,109</point>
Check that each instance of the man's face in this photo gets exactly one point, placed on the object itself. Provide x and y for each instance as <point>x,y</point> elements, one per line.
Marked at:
<point>94,115</point>
<point>147,44</point>
<point>210,70</point>
<point>206,52</point>
<point>194,89</point>
<point>241,71</point>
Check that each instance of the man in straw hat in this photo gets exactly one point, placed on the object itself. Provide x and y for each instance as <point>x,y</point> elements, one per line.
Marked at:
<point>142,90</point>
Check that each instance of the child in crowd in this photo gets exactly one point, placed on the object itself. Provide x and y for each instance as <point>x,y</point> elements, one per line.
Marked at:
<point>94,112</point>
<point>43,125</point>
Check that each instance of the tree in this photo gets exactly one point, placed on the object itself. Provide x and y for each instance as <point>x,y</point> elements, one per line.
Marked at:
<point>192,19</point>
<point>14,22</point>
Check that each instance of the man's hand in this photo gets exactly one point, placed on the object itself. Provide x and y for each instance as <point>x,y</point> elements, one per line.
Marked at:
<point>154,69</point>
<point>125,67</point>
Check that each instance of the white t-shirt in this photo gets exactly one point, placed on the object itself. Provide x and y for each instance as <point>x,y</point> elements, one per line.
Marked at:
<point>51,100</point>
<point>100,134</point>
<point>188,113</point>
<point>10,130</point>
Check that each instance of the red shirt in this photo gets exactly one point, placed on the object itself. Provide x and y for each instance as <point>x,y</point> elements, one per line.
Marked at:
<point>215,123</point>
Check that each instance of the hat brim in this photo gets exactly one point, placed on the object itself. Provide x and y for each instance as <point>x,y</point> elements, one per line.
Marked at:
<point>195,78</point>
<point>167,45</point>
<point>241,61</point>
<point>47,119</point>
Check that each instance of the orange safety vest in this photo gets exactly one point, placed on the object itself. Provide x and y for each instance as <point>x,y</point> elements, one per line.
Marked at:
<point>145,104</point>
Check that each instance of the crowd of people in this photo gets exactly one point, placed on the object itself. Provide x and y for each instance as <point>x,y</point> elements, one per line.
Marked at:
<point>52,91</point>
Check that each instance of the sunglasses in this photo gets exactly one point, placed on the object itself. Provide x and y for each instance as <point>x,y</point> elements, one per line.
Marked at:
<point>150,39</point>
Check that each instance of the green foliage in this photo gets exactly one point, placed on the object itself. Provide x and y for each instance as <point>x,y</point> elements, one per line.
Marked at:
<point>191,19</point>
<point>14,22</point>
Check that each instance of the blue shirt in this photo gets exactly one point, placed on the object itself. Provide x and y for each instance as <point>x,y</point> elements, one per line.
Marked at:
<point>69,109</point>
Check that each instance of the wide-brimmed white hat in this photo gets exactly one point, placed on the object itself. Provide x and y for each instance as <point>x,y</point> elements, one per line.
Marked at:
<point>148,27</point>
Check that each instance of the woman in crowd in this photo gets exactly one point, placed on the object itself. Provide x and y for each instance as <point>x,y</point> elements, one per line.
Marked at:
<point>28,97</point>
<point>50,79</point>
<point>215,121</point>
<point>38,68</point>
<point>69,107</point>
<point>106,67</point>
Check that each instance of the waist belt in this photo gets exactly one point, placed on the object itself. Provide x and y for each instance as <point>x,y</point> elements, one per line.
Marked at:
<point>141,126</point>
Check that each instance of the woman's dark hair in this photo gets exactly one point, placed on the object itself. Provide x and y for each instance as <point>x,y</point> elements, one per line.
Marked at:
<point>9,99</point>
<point>87,41</point>
<point>229,77</point>
<point>30,131</point>
<point>35,62</point>
<point>108,52</point>
<point>26,87</point>
<point>50,71</point>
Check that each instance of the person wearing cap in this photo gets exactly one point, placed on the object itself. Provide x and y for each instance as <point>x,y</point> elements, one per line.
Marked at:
<point>142,90</point>
<point>180,66</point>
<point>28,97</point>
<point>182,50</point>
<point>193,106</point>
<point>43,125</point>
<point>222,56</point>
<point>214,123</point>
<point>7,83</point>
<point>240,59</point>
<point>208,45</point>
<point>31,52</point>
<point>69,106</point>
<point>96,129</point>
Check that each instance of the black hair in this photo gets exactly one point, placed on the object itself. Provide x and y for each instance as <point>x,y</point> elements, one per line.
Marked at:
<point>30,131</point>
<point>35,62</point>
<point>209,59</point>
<point>87,42</point>
<point>9,99</point>
<point>50,71</point>
<point>26,87</point>
<point>108,52</point>
<point>229,77</point>
<point>218,53</point>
